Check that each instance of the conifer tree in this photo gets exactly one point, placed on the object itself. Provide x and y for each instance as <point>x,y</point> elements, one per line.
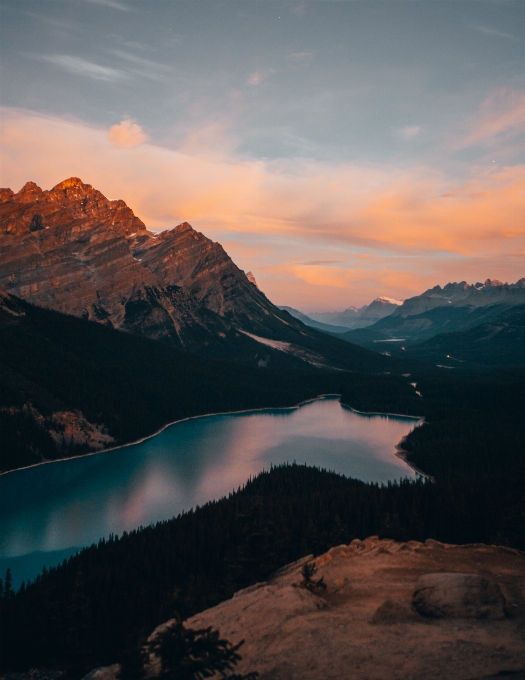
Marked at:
<point>188,654</point>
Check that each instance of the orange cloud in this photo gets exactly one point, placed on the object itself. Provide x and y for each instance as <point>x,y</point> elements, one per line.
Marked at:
<point>127,134</point>
<point>396,231</point>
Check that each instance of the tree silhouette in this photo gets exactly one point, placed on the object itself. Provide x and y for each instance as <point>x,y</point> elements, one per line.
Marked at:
<point>188,654</point>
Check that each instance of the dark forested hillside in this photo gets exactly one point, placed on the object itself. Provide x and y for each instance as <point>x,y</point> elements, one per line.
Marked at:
<point>129,386</point>
<point>498,343</point>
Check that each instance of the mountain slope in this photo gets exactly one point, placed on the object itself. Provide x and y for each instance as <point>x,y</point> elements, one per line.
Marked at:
<point>497,343</point>
<point>325,327</point>
<point>70,386</point>
<point>72,250</point>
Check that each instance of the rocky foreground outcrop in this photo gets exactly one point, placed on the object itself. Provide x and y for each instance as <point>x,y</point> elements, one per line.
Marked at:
<point>390,610</point>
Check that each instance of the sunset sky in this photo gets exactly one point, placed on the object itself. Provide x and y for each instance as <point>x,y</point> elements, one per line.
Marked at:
<point>339,150</point>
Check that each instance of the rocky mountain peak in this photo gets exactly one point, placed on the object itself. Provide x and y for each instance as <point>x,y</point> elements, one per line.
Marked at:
<point>73,250</point>
<point>493,282</point>
<point>181,228</point>
<point>29,192</point>
<point>382,299</point>
<point>71,182</point>
<point>6,195</point>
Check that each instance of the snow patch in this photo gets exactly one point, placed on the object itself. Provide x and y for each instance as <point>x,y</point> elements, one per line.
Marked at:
<point>392,301</point>
<point>276,344</point>
<point>283,321</point>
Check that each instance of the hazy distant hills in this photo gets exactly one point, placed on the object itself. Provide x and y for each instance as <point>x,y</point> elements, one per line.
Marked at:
<point>327,328</point>
<point>477,324</point>
<point>73,250</point>
<point>353,317</point>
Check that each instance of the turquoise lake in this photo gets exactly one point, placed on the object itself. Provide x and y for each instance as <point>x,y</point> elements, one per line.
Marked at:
<point>50,510</point>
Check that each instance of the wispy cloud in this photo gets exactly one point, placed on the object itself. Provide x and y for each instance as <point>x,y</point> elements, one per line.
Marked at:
<point>260,76</point>
<point>82,67</point>
<point>312,263</point>
<point>409,131</point>
<point>144,67</point>
<point>127,134</point>
<point>113,4</point>
<point>489,30</point>
<point>300,56</point>
<point>62,25</point>
<point>501,117</point>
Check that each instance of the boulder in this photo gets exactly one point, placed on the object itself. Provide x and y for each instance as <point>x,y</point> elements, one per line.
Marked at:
<point>456,595</point>
<point>394,611</point>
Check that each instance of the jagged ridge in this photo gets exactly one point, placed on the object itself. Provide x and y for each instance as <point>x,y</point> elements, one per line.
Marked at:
<point>73,250</point>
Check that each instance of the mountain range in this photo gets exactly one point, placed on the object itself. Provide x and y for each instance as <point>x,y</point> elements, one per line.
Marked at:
<point>452,309</point>
<point>73,250</point>
<point>351,318</point>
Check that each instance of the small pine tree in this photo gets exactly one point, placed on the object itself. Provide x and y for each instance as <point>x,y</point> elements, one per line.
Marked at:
<point>308,570</point>
<point>8,585</point>
<point>188,654</point>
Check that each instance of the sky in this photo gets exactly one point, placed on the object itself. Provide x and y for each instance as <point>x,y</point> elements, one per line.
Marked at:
<point>338,149</point>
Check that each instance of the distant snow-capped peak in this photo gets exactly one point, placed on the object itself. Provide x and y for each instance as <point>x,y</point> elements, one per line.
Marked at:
<point>392,301</point>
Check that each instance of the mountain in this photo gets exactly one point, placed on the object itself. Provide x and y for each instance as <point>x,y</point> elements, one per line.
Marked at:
<point>325,327</point>
<point>73,250</point>
<point>497,343</point>
<point>456,307</point>
<point>354,317</point>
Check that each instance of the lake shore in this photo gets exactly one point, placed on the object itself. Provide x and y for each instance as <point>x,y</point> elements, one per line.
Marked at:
<point>174,422</point>
<point>225,413</point>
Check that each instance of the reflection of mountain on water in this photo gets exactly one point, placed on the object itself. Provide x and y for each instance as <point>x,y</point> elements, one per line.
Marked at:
<point>75,502</point>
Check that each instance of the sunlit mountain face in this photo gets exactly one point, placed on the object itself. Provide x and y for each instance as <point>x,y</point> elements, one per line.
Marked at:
<point>340,151</point>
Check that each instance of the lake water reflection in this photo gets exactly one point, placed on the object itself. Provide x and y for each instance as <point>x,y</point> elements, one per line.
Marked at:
<point>74,503</point>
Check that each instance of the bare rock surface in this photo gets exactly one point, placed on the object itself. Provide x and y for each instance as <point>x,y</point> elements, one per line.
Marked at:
<point>364,625</point>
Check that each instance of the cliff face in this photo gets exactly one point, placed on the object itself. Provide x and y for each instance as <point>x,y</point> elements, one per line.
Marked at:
<point>73,250</point>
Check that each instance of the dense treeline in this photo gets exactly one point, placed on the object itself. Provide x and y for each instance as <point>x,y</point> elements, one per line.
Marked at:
<point>131,385</point>
<point>83,613</point>
<point>475,425</point>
